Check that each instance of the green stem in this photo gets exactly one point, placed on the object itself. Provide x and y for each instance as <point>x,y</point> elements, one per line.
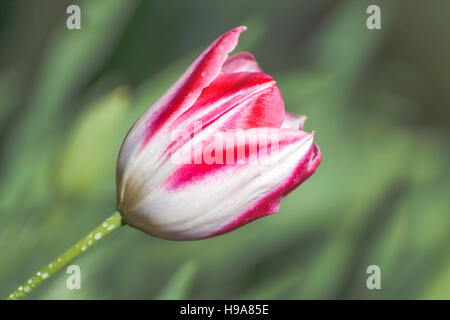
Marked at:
<point>100,232</point>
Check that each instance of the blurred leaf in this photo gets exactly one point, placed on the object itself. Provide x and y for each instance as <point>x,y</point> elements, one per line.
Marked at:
<point>93,144</point>
<point>373,98</point>
<point>180,283</point>
<point>439,289</point>
<point>326,272</point>
<point>70,60</point>
<point>346,44</point>
<point>250,39</point>
<point>9,92</point>
<point>277,287</point>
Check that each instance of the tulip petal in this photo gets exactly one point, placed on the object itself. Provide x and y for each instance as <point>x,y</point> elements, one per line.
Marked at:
<point>271,203</point>
<point>177,99</point>
<point>239,100</point>
<point>236,100</point>
<point>186,90</point>
<point>194,201</point>
<point>293,121</point>
<point>196,186</point>
<point>241,62</point>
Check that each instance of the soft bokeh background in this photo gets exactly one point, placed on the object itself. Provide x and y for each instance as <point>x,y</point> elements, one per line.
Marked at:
<point>378,100</point>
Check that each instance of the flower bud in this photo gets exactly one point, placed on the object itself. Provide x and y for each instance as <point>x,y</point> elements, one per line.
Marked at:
<point>214,152</point>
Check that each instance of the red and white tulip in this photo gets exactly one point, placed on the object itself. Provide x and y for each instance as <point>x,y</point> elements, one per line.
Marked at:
<point>191,167</point>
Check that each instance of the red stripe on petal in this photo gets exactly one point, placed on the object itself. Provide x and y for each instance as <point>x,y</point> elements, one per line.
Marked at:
<point>240,100</point>
<point>228,91</point>
<point>244,148</point>
<point>265,207</point>
<point>271,203</point>
<point>265,110</point>
<point>303,173</point>
<point>231,90</point>
<point>188,88</point>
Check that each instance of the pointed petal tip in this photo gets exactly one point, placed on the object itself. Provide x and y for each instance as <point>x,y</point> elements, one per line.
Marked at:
<point>314,160</point>
<point>237,30</point>
<point>294,121</point>
<point>186,90</point>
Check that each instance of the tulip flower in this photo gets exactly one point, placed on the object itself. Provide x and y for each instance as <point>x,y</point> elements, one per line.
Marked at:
<point>195,200</point>
<point>216,151</point>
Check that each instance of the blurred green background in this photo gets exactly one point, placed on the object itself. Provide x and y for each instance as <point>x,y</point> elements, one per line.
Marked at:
<point>377,99</point>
